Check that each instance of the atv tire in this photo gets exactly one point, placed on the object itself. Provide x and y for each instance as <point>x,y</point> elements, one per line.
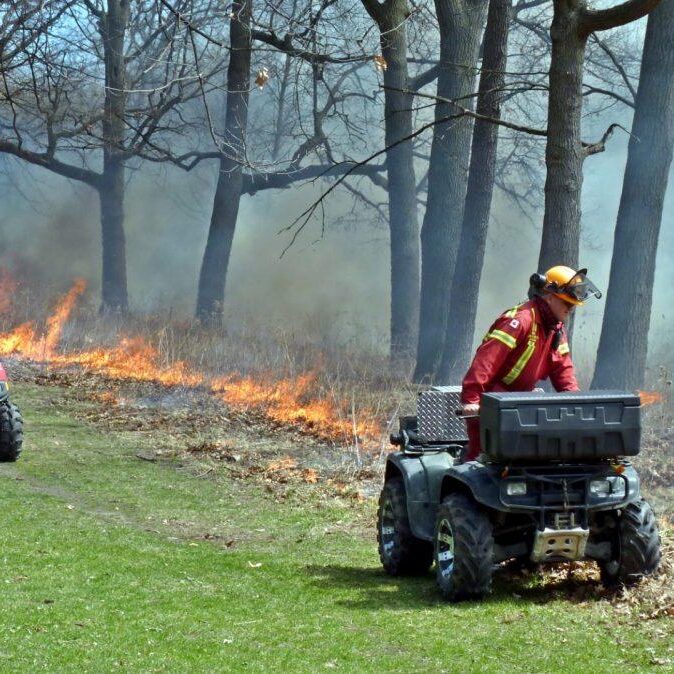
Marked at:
<point>636,547</point>
<point>11,432</point>
<point>464,549</point>
<point>401,553</point>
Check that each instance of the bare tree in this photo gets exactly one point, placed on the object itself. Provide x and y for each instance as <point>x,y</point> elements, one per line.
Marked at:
<point>278,38</point>
<point>230,178</point>
<point>470,256</point>
<point>461,23</point>
<point>391,18</point>
<point>100,86</point>
<point>572,24</point>
<point>621,358</point>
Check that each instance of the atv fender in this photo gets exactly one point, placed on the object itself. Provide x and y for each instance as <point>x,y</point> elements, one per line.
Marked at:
<point>422,475</point>
<point>430,477</point>
<point>476,479</point>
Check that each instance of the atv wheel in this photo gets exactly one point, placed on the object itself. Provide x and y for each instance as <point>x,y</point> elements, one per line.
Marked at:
<point>464,549</point>
<point>11,432</point>
<point>401,553</point>
<point>636,547</point>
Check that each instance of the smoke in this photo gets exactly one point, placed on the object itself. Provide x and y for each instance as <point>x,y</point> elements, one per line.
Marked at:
<point>333,283</point>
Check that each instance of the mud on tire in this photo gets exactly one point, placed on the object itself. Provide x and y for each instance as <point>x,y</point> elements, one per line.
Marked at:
<point>11,432</point>
<point>636,547</point>
<point>464,549</point>
<point>401,553</point>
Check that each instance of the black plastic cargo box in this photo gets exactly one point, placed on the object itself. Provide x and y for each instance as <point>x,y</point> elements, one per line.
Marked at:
<point>560,426</point>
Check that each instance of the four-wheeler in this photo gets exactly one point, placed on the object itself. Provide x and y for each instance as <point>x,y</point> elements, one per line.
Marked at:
<point>11,423</point>
<point>553,483</point>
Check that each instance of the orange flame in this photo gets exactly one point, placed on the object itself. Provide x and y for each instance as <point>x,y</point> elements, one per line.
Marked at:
<point>25,341</point>
<point>62,313</point>
<point>289,401</point>
<point>650,397</point>
<point>20,340</point>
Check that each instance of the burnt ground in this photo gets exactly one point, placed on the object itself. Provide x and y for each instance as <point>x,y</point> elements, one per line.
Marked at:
<point>193,426</point>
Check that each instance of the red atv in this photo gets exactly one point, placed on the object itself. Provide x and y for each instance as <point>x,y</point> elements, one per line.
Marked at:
<point>11,423</point>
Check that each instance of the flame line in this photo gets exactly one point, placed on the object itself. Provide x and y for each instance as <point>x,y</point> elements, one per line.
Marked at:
<point>287,401</point>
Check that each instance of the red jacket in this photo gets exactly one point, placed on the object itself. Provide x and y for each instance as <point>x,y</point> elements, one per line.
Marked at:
<point>517,352</point>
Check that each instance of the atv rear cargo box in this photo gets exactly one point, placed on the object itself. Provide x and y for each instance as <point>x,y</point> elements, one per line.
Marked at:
<point>560,426</point>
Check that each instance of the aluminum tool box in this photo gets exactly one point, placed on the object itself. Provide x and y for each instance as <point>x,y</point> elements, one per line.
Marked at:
<point>436,415</point>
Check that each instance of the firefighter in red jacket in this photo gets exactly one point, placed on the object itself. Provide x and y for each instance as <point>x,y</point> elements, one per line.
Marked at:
<point>527,344</point>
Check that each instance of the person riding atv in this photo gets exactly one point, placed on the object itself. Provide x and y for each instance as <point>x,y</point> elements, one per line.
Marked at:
<point>527,344</point>
<point>553,481</point>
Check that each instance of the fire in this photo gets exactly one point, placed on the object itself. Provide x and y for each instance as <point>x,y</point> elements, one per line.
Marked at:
<point>62,313</point>
<point>133,358</point>
<point>650,397</point>
<point>288,402</point>
<point>21,340</point>
<point>25,339</point>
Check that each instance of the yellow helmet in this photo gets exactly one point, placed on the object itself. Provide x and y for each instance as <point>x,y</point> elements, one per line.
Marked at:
<point>571,286</point>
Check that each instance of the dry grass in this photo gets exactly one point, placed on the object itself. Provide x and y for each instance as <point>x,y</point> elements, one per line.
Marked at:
<point>358,383</point>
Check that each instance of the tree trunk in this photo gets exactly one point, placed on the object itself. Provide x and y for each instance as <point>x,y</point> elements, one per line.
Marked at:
<point>572,23</point>
<point>404,229</point>
<point>564,150</point>
<point>213,274</point>
<point>461,24</point>
<point>470,258</point>
<point>621,358</point>
<point>114,296</point>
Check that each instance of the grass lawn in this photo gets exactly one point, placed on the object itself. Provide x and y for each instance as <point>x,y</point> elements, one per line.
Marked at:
<point>114,563</point>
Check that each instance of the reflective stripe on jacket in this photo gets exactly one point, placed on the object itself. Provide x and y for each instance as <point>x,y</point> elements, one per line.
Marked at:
<point>516,353</point>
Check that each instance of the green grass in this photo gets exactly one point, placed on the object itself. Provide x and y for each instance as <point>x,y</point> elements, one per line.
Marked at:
<point>112,563</point>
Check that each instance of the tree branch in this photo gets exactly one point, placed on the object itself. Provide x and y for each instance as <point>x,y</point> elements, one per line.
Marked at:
<point>619,66</point>
<point>422,79</point>
<point>91,178</point>
<point>591,20</point>
<point>600,146</point>
<point>256,182</point>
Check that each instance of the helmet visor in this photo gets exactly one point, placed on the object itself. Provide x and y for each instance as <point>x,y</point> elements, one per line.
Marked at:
<point>580,288</point>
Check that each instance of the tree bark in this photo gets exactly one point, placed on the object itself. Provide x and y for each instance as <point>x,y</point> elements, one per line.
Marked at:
<point>470,258</point>
<point>564,151</point>
<point>461,23</point>
<point>211,293</point>
<point>114,295</point>
<point>390,17</point>
<point>621,357</point>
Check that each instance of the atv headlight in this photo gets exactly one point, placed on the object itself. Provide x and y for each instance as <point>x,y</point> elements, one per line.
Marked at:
<point>516,488</point>
<point>608,486</point>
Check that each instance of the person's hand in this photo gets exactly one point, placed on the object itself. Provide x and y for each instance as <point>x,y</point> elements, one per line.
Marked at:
<point>470,410</point>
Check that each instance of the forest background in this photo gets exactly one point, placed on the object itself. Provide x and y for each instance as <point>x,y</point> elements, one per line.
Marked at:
<point>333,282</point>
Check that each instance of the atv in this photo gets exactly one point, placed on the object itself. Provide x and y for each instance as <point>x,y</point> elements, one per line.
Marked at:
<point>553,483</point>
<point>11,423</point>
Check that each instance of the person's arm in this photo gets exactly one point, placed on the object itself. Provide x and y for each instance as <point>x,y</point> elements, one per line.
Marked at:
<point>562,371</point>
<point>502,338</point>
